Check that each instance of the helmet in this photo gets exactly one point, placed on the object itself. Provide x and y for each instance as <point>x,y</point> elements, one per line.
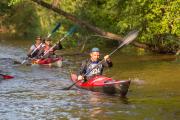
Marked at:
<point>95,49</point>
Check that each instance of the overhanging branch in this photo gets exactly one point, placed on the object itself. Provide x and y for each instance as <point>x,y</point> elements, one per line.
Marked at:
<point>85,24</point>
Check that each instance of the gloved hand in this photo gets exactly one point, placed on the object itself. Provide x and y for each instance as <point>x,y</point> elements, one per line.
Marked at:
<point>106,58</point>
<point>80,77</point>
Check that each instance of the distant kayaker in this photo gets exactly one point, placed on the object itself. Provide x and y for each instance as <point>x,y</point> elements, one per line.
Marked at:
<point>88,64</point>
<point>35,48</point>
<point>48,50</point>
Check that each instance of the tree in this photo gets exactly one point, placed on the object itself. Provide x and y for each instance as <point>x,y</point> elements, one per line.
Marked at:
<point>85,24</point>
<point>21,19</point>
<point>157,20</point>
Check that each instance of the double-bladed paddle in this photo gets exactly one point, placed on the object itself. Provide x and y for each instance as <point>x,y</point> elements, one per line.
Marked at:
<point>6,76</point>
<point>49,35</point>
<point>126,40</point>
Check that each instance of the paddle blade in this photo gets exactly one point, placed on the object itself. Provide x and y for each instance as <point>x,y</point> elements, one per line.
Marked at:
<point>6,76</point>
<point>129,37</point>
<point>71,30</point>
<point>26,59</point>
<point>56,28</point>
<point>23,61</point>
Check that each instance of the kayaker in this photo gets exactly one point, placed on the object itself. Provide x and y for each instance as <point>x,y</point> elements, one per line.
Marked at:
<point>88,64</point>
<point>47,52</point>
<point>35,48</point>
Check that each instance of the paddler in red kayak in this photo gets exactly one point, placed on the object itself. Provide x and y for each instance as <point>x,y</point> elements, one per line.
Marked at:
<point>35,48</point>
<point>48,51</point>
<point>88,64</point>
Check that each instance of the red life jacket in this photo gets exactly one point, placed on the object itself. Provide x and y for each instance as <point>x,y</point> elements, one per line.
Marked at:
<point>47,47</point>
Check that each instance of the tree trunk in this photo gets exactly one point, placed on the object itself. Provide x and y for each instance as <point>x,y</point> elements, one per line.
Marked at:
<point>86,25</point>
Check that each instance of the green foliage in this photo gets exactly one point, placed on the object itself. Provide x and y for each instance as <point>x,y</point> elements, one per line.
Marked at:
<point>13,2</point>
<point>4,7</point>
<point>158,20</point>
<point>21,19</point>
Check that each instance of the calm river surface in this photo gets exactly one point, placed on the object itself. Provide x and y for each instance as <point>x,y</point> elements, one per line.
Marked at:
<point>34,93</point>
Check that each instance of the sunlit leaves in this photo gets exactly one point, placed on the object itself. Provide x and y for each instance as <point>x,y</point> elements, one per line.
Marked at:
<point>13,2</point>
<point>157,19</point>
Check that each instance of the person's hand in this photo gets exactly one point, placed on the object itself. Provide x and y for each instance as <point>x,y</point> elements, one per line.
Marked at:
<point>80,77</point>
<point>106,58</point>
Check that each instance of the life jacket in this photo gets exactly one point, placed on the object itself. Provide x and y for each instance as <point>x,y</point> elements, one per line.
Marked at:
<point>35,50</point>
<point>46,48</point>
<point>96,71</point>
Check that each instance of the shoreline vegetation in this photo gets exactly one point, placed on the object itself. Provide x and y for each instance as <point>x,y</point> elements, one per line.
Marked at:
<point>108,21</point>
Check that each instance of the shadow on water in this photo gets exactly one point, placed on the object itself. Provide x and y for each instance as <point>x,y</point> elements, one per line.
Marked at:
<point>35,92</point>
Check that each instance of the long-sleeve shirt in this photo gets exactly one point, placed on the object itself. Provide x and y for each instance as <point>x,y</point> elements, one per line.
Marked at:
<point>87,65</point>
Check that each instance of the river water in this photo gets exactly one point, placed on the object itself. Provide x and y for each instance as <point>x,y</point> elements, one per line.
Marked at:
<point>35,92</point>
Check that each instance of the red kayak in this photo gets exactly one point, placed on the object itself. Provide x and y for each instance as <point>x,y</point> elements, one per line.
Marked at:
<point>5,77</point>
<point>48,61</point>
<point>103,84</point>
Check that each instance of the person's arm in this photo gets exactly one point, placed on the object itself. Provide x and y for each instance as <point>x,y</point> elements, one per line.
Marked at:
<point>82,70</point>
<point>58,46</point>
